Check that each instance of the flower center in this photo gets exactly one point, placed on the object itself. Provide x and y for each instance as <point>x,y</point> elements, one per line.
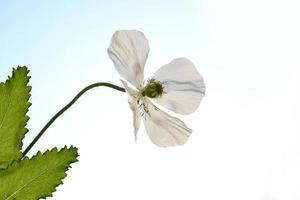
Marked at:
<point>153,89</point>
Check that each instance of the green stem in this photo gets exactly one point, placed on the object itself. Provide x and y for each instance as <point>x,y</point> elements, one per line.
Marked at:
<point>66,107</point>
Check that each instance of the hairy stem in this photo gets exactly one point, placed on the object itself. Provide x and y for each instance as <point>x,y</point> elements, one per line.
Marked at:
<point>66,107</point>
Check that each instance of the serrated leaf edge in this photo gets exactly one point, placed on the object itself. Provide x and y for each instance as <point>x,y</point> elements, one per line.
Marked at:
<point>65,168</point>
<point>27,86</point>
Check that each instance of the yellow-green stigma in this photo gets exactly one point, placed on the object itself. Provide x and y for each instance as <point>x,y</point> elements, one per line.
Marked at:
<point>153,89</point>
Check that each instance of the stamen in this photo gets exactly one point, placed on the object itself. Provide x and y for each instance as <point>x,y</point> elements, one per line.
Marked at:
<point>153,89</point>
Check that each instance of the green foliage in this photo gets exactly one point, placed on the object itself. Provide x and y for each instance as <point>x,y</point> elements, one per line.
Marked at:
<point>36,178</point>
<point>25,179</point>
<point>14,96</point>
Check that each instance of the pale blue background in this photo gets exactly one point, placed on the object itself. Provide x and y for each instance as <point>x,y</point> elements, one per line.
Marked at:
<point>245,143</point>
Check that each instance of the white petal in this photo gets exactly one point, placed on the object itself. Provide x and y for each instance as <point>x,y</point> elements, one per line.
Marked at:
<point>129,51</point>
<point>132,100</point>
<point>183,84</point>
<point>163,129</point>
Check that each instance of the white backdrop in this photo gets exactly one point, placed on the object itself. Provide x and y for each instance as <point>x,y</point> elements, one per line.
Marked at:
<point>245,143</point>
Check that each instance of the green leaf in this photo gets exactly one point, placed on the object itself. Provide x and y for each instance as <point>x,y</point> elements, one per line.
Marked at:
<point>14,96</point>
<point>38,177</point>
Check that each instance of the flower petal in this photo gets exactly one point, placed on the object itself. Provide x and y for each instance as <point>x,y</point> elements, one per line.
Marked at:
<point>183,86</point>
<point>129,51</point>
<point>163,129</point>
<point>132,100</point>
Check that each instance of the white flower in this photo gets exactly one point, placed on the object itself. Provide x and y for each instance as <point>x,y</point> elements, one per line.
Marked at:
<point>177,86</point>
